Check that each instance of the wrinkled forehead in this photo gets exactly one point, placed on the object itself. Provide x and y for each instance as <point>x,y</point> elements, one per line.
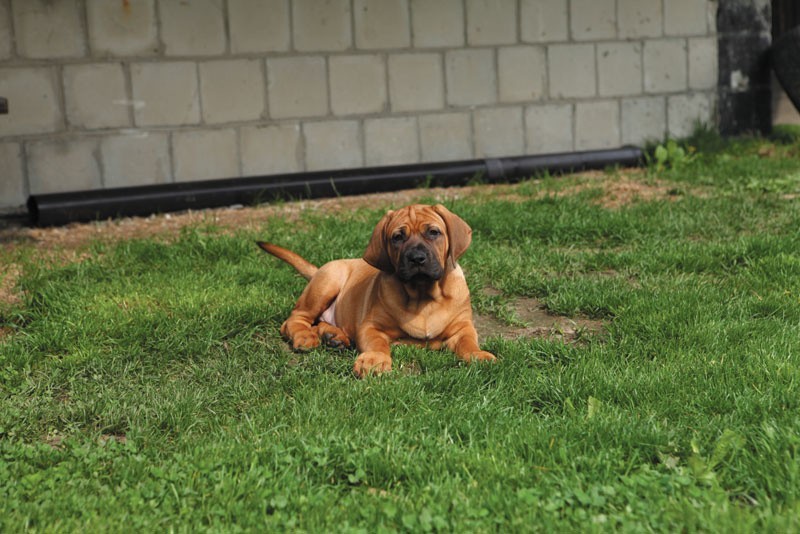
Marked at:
<point>416,217</point>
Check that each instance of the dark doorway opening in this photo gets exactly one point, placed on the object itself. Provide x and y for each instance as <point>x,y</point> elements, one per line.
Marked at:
<point>785,16</point>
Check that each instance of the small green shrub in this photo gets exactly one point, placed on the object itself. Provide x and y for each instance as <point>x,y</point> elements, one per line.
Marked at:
<point>671,155</point>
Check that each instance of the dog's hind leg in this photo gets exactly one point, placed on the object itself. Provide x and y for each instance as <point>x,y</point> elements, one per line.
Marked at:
<point>318,295</point>
<point>333,336</point>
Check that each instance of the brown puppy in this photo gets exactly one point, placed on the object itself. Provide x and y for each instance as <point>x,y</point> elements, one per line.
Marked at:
<point>407,288</point>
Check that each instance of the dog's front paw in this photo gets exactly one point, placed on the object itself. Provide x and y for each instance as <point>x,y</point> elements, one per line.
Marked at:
<point>305,340</point>
<point>480,356</point>
<point>372,363</point>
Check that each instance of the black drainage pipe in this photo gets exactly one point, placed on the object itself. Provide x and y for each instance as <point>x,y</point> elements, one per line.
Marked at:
<point>80,206</point>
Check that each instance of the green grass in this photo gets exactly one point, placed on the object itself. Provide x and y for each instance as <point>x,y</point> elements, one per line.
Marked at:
<point>146,387</point>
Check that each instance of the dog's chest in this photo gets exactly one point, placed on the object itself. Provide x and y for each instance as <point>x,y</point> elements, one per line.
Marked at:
<point>426,323</point>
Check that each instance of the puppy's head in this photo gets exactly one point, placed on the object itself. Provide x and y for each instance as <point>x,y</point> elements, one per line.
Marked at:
<point>418,243</point>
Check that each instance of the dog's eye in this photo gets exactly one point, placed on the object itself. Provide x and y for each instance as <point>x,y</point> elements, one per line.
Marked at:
<point>398,237</point>
<point>434,232</point>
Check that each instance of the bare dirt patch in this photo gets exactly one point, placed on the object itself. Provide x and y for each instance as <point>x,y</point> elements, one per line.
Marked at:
<point>537,322</point>
<point>617,191</point>
<point>5,332</point>
<point>117,438</point>
<point>625,191</point>
<point>8,281</point>
<point>54,440</point>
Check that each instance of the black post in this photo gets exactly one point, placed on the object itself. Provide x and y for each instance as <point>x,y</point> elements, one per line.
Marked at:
<point>744,38</point>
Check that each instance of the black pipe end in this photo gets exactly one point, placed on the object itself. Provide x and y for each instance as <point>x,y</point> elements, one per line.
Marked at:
<point>33,211</point>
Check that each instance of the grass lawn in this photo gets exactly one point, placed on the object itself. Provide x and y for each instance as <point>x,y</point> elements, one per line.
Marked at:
<point>144,385</point>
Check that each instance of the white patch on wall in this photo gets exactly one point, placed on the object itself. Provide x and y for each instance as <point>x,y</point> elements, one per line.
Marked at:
<point>739,82</point>
<point>135,104</point>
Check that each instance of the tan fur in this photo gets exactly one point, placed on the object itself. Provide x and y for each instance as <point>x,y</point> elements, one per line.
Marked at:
<point>367,300</point>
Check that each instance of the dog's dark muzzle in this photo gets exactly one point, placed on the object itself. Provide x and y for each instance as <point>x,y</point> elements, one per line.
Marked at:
<point>418,262</point>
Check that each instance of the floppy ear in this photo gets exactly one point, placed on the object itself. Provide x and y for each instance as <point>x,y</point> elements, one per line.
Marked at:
<point>376,253</point>
<point>459,234</point>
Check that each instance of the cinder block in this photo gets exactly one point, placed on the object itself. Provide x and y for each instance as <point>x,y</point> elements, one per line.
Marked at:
<point>471,78</point>
<point>122,28</point>
<point>597,125</point>
<point>592,20</point>
<point>165,93</point>
<point>391,141</point>
<point>639,18</point>
<point>548,128</point>
<point>192,27</point>
<point>12,185</point>
<point>684,112</point>
<point>498,132</point>
<point>665,65</point>
<point>643,119</point>
<point>46,29</point>
<point>543,21</point>
<point>57,166</point>
<point>491,22</point>
<point>358,84</point>
<point>619,68</point>
<point>685,17</point>
<point>137,158</point>
<point>322,26</point>
<point>703,69</point>
<point>445,136</point>
<point>522,73</point>
<point>5,31</point>
<point>381,24</point>
<point>95,96</point>
<point>297,87</point>
<point>437,23</point>
<point>571,70</point>
<point>205,155</point>
<point>271,149</point>
<point>33,102</point>
<point>416,82</point>
<point>259,26</point>
<point>332,145</point>
<point>232,90</point>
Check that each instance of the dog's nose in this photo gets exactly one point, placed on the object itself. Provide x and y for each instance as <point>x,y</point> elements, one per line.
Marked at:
<point>416,256</point>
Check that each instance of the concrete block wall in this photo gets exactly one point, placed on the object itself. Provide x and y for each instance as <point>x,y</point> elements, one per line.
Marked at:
<point>109,93</point>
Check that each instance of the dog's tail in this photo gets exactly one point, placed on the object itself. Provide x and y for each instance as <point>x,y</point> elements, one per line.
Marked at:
<point>303,267</point>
